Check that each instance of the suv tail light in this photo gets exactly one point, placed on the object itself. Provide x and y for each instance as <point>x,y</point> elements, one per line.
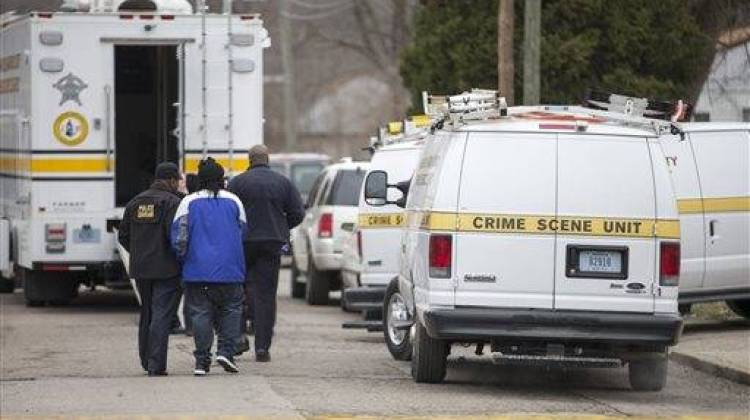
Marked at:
<point>325,225</point>
<point>441,256</point>
<point>669,264</point>
<point>359,243</point>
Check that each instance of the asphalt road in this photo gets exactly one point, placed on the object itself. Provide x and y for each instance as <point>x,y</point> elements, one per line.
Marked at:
<point>80,360</point>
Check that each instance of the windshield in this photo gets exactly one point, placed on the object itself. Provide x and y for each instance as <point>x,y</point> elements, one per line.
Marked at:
<point>278,168</point>
<point>303,176</point>
<point>345,189</point>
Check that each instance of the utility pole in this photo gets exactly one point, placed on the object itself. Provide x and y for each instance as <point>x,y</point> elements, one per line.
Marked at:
<point>532,33</point>
<point>287,64</point>
<point>505,67</point>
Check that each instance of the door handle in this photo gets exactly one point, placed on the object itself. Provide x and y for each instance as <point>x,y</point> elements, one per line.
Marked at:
<point>712,228</point>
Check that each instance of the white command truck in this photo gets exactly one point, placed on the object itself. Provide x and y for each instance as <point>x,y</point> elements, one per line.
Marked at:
<point>380,227</point>
<point>550,234</point>
<point>91,99</point>
<point>710,166</point>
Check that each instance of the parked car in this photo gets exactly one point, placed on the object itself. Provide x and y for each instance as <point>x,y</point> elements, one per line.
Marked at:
<point>317,243</point>
<point>710,167</point>
<point>550,235</point>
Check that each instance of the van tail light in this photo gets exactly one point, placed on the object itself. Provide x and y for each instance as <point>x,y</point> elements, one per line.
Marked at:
<point>359,243</point>
<point>669,264</point>
<point>325,225</point>
<point>441,256</point>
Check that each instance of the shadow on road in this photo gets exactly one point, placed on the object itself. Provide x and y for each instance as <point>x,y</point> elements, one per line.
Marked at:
<point>98,301</point>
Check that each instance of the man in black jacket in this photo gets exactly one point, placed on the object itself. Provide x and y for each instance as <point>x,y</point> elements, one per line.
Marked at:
<point>273,206</point>
<point>144,233</point>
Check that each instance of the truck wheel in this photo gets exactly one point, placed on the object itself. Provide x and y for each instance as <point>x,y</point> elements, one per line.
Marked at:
<point>740,307</point>
<point>298,289</point>
<point>42,287</point>
<point>685,309</point>
<point>316,292</point>
<point>649,374</point>
<point>7,285</point>
<point>429,358</point>
<point>394,309</point>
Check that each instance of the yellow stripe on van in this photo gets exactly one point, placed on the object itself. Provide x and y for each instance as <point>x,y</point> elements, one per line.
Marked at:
<point>713,205</point>
<point>381,220</point>
<point>239,164</point>
<point>539,224</point>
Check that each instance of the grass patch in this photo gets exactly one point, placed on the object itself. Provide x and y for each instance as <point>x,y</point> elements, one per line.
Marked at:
<point>713,311</point>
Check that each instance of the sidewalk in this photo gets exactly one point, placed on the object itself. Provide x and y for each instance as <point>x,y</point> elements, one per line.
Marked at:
<point>721,348</point>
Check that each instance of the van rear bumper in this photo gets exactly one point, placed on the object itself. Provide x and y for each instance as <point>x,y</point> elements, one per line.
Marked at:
<point>521,324</point>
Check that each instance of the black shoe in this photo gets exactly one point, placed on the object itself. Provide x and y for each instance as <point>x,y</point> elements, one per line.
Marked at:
<point>242,347</point>
<point>177,331</point>
<point>158,373</point>
<point>228,364</point>
<point>201,369</point>
<point>262,356</point>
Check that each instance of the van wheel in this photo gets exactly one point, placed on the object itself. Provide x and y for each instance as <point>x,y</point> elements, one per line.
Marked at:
<point>316,292</point>
<point>649,374</point>
<point>394,309</point>
<point>429,358</point>
<point>740,307</point>
<point>7,285</point>
<point>298,289</point>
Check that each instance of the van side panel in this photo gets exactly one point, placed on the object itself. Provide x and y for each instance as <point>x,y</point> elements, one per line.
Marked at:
<point>607,179</point>
<point>723,160</point>
<point>505,179</point>
<point>684,172</point>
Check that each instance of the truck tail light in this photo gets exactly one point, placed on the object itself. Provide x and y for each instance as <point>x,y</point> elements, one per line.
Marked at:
<point>325,225</point>
<point>55,235</point>
<point>669,264</point>
<point>359,243</point>
<point>441,256</point>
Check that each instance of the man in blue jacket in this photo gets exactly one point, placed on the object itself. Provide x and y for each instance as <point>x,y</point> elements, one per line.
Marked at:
<point>274,206</point>
<point>207,237</point>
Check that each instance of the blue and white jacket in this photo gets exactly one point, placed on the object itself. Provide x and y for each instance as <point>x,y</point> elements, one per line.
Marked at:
<point>207,237</point>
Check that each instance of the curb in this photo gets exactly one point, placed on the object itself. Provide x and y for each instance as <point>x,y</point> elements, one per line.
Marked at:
<point>702,365</point>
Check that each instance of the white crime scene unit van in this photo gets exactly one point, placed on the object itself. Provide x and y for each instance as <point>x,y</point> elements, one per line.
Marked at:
<point>710,167</point>
<point>550,234</point>
<point>395,151</point>
<point>92,98</point>
<point>330,218</point>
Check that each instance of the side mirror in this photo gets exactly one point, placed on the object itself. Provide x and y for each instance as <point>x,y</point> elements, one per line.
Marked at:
<point>376,188</point>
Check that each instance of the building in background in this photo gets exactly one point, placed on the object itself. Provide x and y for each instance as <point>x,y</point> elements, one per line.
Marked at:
<point>346,61</point>
<point>725,95</point>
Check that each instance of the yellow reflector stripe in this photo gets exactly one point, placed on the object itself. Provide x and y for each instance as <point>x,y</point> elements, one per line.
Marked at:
<point>381,220</point>
<point>713,205</point>
<point>70,165</point>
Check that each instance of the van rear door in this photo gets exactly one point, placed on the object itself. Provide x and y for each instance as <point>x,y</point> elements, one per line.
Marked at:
<point>507,179</point>
<point>606,253</point>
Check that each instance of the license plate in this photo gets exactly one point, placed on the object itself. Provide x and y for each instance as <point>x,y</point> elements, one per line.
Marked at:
<point>600,262</point>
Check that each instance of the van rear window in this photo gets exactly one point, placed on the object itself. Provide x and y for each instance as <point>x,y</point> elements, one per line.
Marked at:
<point>345,189</point>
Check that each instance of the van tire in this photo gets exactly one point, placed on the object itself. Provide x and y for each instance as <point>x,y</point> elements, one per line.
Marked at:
<point>648,374</point>
<point>297,288</point>
<point>316,292</point>
<point>428,362</point>
<point>741,307</point>
<point>7,285</point>
<point>399,350</point>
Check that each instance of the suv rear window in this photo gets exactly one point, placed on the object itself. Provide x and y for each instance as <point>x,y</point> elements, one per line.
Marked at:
<point>345,189</point>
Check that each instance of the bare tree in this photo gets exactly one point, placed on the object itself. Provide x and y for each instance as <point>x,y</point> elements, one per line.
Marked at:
<point>505,65</point>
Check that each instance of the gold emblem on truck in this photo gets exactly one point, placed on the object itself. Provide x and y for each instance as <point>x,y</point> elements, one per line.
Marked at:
<point>70,128</point>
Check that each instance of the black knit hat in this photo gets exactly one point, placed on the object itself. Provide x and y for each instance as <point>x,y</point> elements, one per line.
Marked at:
<point>167,170</point>
<point>210,170</point>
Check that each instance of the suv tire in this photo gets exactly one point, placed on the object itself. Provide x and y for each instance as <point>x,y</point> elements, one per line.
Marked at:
<point>649,374</point>
<point>394,308</point>
<point>297,288</point>
<point>428,363</point>
<point>741,307</point>
<point>316,292</point>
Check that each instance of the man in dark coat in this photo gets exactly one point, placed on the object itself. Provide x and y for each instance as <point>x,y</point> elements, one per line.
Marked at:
<point>273,206</point>
<point>144,233</point>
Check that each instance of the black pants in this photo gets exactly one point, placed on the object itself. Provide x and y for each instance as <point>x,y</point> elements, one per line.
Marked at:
<point>263,260</point>
<point>159,301</point>
<point>214,308</point>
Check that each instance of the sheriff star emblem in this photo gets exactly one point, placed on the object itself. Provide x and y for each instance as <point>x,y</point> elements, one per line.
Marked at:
<point>70,86</point>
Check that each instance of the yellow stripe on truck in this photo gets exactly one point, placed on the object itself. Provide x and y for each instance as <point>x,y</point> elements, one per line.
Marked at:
<point>381,220</point>
<point>713,205</point>
<point>239,164</point>
<point>71,165</point>
<point>536,224</point>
